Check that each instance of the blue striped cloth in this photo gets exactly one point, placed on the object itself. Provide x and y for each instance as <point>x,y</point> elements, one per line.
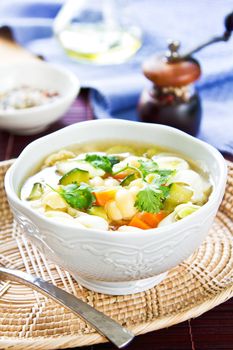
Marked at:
<point>115,89</point>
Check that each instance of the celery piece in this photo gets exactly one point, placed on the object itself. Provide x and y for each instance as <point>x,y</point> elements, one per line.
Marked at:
<point>36,192</point>
<point>184,210</point>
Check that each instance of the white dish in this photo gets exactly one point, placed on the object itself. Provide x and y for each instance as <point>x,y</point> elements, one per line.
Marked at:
<point>117,262</point>
<point>38,75</point>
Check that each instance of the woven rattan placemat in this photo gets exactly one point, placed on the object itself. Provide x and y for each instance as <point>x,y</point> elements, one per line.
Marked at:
<point>28,320</point>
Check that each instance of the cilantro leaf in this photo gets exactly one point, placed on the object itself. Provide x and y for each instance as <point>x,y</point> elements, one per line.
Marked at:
<point>152,197</point>
<point>149,199</point>
<point>163,176</point>
<point>151,167</point>
<point>113,159</point>
<point>103,162</point>
<point>147,167</point>
<point>77,196</point>
<point>165,190</point>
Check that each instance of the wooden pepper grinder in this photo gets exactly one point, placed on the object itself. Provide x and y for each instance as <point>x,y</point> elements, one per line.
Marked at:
<point>173,100</point>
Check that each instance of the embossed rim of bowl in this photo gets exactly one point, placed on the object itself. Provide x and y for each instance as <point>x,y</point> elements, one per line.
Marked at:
<point>214,200</point>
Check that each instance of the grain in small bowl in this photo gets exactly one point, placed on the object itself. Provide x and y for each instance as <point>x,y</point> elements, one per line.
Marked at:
<point>34,95</point>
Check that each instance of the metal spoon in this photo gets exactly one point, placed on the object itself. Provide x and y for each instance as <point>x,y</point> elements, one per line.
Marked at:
<point>104,325</point>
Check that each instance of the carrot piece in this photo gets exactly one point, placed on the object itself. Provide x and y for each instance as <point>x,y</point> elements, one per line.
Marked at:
<point>137,222</point>
<point>102,197</point>
<point>146,220</point>
<point>152,219</point>
<point>120,176</point>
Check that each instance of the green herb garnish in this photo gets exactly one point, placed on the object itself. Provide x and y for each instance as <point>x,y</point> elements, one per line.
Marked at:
<point>163,176</point>
<point>151,167</point>
<point>103,162</point>
<point>150,199</point>
<point>113,159</point>
<point>165,190</point>
<point>77,196</point>
<point>147,167</point>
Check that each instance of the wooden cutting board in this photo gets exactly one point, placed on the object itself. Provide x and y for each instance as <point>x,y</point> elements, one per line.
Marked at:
<point>10,51</point>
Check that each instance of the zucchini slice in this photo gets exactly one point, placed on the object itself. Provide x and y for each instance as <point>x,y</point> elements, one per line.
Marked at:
<point>128,179</point>
<point>75,175</point>
<point>178,194</point>
<point>65,167</point>
<point>98,211</point>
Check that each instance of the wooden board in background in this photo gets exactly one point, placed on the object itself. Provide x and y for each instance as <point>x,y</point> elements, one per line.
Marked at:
<point>10,51</point>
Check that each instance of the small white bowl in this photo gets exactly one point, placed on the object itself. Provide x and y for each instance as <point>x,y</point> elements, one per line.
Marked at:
<point>39,75</point>
<point>117,262</point>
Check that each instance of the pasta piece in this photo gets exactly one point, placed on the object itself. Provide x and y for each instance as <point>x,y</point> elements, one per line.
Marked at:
<point>138,183</point>
<point>113,211</point>
<point>172,163</point>
<point>92,221</point>
<point>63,218</point>
<point>110,182</point>
<point>135,186</point>
<point>168,220</point>
<point>73,212</point>
<point>58,214</point>
<point>96,181</point>
<point>134,190</point>
<point>53,200</point>
<point>58,156</point>
<point>125,203</point>
<point>131,161</point>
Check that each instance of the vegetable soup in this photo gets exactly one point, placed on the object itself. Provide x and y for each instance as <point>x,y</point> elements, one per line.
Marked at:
<point>116,187</point>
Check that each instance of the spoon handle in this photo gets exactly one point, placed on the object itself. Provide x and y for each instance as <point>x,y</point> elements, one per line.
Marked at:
<point>112,330</point>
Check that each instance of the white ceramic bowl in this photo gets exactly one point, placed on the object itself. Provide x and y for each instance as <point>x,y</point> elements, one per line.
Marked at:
<point>39,75</point>
<point>117,262</point>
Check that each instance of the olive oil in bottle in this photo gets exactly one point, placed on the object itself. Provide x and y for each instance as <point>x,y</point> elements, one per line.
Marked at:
<point>91,31</point>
